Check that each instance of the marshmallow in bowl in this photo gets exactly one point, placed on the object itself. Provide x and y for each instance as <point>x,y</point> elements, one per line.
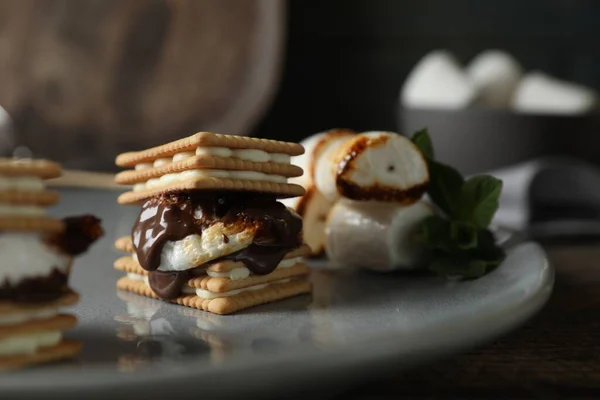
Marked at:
<point>496,75</point>
<point>438,81</point>
<point>381,166</point>
<point>375,235</point>
<point>542,94</point>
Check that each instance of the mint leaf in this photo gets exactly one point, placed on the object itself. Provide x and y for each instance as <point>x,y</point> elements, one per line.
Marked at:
<point>444,188</point>
<point>422,140</point>
<point>436,233</point>
<point>463,235</point>
<point>445,182</point>
<point>487,249</point>
<point>459,243</point>
<point>479,198</point>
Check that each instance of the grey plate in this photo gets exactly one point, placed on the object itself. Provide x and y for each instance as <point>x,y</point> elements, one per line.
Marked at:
<point>354,323</point>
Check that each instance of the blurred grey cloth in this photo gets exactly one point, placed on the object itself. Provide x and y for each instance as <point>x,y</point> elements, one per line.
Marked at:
<point>560,195</point>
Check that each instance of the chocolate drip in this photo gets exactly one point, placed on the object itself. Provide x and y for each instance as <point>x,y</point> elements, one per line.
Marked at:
<point>173,217</point>
<point>159,222</point>
<point>79,234</point>
<point>30,290</point>
<point>168,284</point>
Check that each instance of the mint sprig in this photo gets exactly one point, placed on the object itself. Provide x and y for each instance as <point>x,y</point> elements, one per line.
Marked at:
<point>459,242</point>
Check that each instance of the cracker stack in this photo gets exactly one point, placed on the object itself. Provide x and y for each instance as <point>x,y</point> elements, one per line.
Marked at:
<point>211,234</point>
<point>37,253</point>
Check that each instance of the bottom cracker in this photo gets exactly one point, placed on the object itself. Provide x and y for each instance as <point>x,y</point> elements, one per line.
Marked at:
<point>226,305</point>
<point>63,350</point>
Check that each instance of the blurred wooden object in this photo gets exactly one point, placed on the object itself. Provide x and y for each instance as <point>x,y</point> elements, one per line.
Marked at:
<point>86,79</point>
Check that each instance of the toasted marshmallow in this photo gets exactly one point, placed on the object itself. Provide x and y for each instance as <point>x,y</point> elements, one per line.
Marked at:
<point>326,167</point>
<point>195,250</point>
<point>375,235</point>
<point>314,147</point>
<point>380,166</point>
<point>496,75</point>
<point>313,208</point>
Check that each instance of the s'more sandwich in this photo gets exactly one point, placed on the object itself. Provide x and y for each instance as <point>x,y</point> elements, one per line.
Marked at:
<point>37,252</point>
<point>211,233</point>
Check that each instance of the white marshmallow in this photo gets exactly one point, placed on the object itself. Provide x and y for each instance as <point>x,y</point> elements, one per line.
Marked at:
<point>374,235</point>
<point>326,167</point>
<point>24,255</point>
<point>194,250</point>
<point>542,94</point>
<point>313,208</point>
<point>313,149</point>
<point>28,343</point>
<point>496,75</point>
<point>438,81</point>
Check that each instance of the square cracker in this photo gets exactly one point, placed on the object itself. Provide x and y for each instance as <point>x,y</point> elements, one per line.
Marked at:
<point>226,305</point>
<point>280,190</point>
<point>221,285</point>
<point>208,139</point>
<point>40,198</point>
<point>60,322</point>
<point>207,162</point>
<point>68,298</point>
<point>217,284</point>
<point>64,350</point>
<point>124,244</point>
<point>42,169</point>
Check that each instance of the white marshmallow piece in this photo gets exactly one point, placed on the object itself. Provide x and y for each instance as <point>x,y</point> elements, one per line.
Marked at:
<point>438,82</point>
<point>314,147</point>
<point>381,166</point>
<point>326,167</point>
<point>314,209</point>
<point>539,93</point>
<point>496,75</point>
<point>306,160</point>
<point>375,235</point>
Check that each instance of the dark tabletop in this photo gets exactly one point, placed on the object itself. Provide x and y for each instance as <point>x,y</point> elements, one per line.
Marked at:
<point>556,355</point>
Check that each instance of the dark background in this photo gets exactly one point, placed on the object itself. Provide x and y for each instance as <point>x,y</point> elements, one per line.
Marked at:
<point>346,60</point>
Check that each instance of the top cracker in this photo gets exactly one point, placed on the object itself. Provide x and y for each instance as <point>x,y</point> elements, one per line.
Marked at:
<point>42,169</point>
<point>208,139</point>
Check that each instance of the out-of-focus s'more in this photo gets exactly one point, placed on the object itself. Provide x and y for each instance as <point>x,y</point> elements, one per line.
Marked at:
<point>37,254</point>
<point>211,233</point>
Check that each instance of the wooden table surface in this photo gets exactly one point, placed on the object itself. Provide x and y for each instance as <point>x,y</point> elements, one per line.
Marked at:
<point>556,355</point>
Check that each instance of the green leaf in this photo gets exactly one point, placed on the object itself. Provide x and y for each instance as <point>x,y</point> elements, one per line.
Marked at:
<point>487,249</point>
<point>422,140</point>
<point>459,243</point>
<point>435,233</point>
<point>479,200</point>
<point>463,235</point>
<point>445,185</point>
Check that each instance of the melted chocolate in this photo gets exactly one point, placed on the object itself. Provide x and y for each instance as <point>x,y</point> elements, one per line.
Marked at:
<point>168,284</point>
<point>78,235</point>
<point>173,217</point>
<point>30,290</point>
